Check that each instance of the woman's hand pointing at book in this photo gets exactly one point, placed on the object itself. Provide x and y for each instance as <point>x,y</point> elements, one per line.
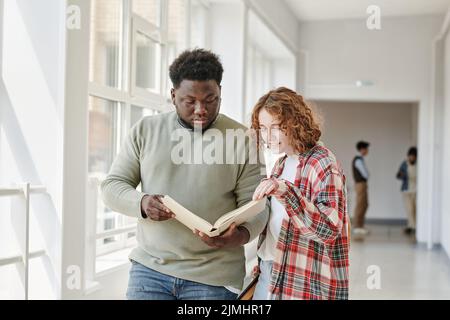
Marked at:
<point>266,188</point>
<point>234,237</point>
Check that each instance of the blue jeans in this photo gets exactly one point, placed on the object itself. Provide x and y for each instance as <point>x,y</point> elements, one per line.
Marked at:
<point>148,284</point>
<point>262,287</point>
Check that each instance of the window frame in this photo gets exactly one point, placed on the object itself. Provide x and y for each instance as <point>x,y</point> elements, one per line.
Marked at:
<point>140,25</point>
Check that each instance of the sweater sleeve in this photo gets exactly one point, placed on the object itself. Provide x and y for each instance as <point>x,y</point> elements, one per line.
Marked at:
<point>119,188</point>
<point>321,219</point>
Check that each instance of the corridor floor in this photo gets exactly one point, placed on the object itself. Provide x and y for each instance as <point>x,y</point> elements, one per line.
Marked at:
<point>406,270</point>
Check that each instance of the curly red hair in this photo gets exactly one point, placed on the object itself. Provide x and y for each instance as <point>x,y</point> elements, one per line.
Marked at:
<point>297,119</point>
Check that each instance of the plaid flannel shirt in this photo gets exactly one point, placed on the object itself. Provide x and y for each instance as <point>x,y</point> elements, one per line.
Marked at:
<point>312,252</point>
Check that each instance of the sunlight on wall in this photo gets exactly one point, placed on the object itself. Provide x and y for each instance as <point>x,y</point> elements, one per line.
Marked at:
<point>31,140</point>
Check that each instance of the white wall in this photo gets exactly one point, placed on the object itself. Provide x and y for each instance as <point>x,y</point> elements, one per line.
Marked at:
<point>113,285</point>
<point>31,125</point>
<point>445,223</point>
<point>284,73</point>
<point>388,127</point>
<point>397,59</point>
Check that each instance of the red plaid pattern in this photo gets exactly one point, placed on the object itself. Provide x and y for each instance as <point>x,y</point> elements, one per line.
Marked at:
<point>311,260</point>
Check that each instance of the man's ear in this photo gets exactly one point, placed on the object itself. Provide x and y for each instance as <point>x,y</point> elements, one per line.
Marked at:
<point>172,95</point>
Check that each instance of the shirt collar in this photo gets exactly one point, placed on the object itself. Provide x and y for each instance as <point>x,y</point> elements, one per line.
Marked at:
<point>185,125</point>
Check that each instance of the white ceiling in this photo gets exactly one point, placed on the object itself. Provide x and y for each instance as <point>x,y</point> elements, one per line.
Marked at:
<point>307,10</point>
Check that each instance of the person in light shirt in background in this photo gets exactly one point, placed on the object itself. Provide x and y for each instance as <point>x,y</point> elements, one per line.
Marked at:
<point>303,251</point>
<point>408,174</point>
<point>361,177</point>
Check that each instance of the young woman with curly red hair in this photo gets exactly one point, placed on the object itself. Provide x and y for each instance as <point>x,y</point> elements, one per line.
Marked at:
<point>303,252</point>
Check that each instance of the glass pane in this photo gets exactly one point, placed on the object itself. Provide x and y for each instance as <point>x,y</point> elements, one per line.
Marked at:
<point>147,60</point>
<point>105,42</point>
<point>177,24</point>
<point>249,76</point>
<point>103,123</point>
<point>148,9</point>
<point>198,25</point>
<point>137,113</point>
<point>177,34</point>
<point>103,131</point>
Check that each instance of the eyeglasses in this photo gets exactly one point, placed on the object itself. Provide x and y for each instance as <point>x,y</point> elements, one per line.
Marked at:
<point>273,131</point>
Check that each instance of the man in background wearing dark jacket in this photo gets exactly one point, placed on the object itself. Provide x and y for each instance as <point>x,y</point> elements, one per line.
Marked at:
<point>361,176</point>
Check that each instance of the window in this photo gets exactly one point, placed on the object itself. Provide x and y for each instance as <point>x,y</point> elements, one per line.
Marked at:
<point>149,10</point>
<point>199,24</point>
<point>259,75</point>
<point>132,43</point>
<point>177,25</point>
<point>103,146</point>
<point>177,35</point>
<point>137,113</point>
<point>269,63</point>
<point>103,120</point>
<point>106,46</point>
<point>125,85</point>
<point>146,65</point>
<point>147,59</point>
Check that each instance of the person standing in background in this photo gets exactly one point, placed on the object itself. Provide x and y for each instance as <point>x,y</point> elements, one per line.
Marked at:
<point>408,174</point>
<point>361,177</point>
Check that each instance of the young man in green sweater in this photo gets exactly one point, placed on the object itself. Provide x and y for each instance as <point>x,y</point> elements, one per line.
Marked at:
<point>171,262</point>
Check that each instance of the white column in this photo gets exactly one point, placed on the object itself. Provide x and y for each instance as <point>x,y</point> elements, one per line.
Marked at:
<point>1,38</point>
<point>75,154</point>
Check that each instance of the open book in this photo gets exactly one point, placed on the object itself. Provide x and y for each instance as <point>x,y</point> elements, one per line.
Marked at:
<point>194,222</point>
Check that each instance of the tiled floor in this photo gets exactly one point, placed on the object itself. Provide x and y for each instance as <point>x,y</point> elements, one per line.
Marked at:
<point>407,270</point>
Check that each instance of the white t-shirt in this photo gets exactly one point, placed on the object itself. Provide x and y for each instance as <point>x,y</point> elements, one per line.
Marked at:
<point>277,213</point>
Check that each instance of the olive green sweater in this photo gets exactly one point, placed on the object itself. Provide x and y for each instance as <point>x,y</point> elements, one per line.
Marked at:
<point>209,190</point>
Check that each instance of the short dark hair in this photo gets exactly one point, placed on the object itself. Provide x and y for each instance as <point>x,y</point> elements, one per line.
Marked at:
<point>412,151</point>
<point>362,145</point>
<point>197,65</point>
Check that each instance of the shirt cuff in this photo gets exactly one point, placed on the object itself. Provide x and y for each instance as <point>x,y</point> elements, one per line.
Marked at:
<point>140,214</point>
<point>251,231</point>
<point>280,187</point>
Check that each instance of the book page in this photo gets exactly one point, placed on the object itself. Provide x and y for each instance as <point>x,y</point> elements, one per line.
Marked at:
<point>194,222</point>
<point>241,215</point>
<point>189,219</point>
